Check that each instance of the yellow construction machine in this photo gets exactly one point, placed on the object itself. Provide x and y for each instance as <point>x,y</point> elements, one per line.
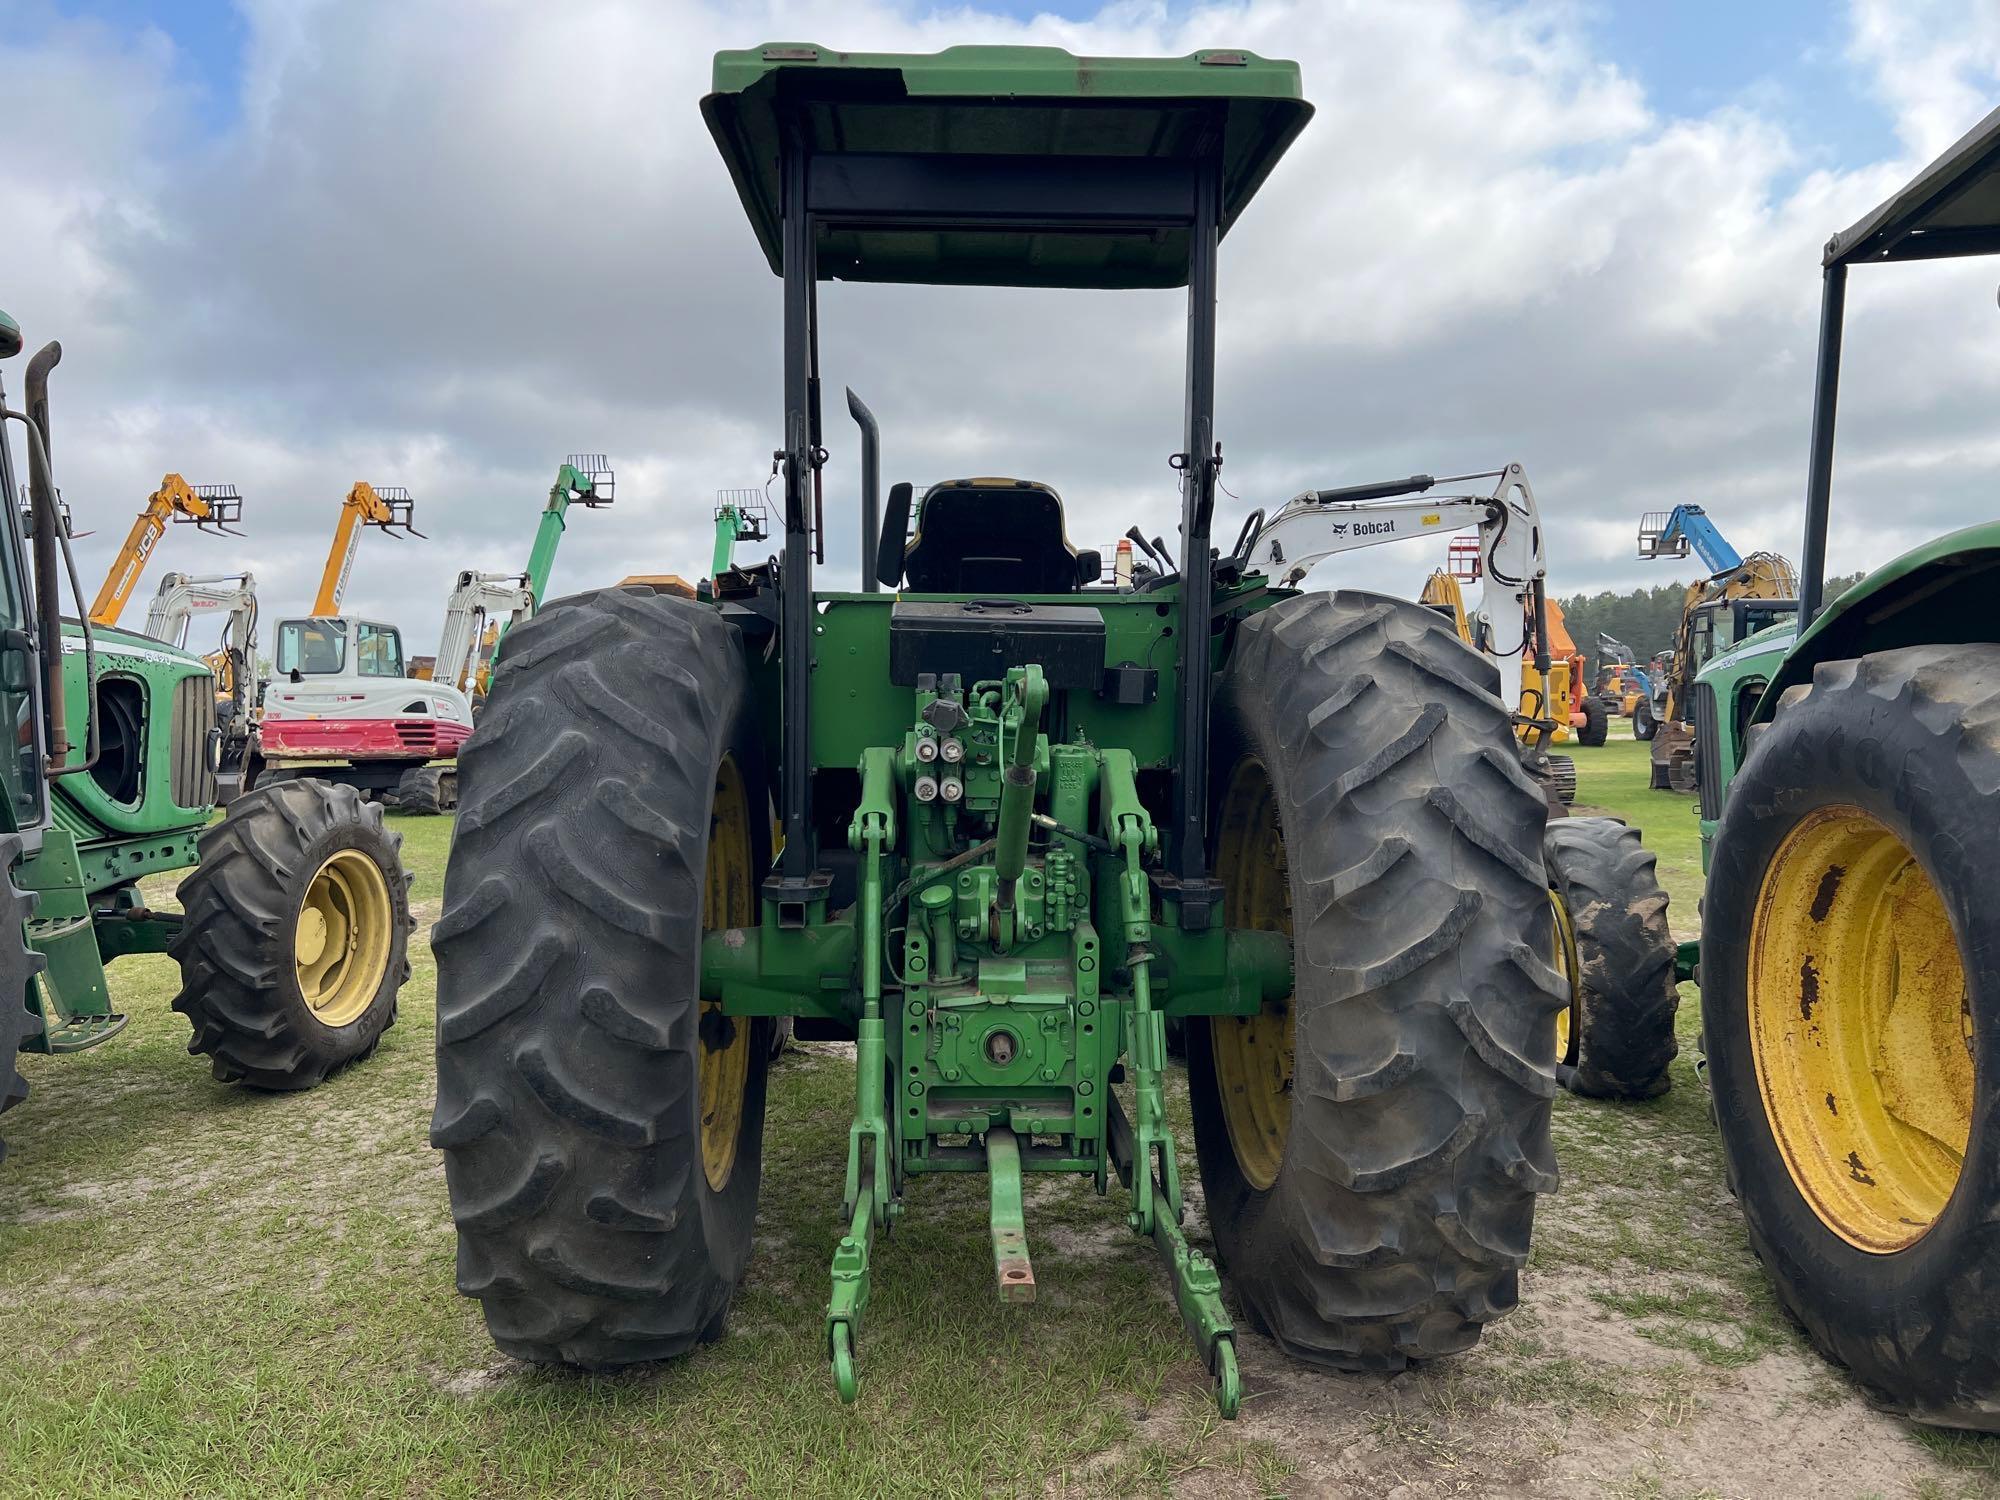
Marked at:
<point>389,507</point>
<point>1741,596</point>
<point>1554,709</point>
<point>207,507</point>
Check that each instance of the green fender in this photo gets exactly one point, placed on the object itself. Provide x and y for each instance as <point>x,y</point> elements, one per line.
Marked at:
<point>1938,594</point>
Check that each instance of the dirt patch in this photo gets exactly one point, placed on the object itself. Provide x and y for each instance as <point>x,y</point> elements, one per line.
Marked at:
<point>1493,1423</point>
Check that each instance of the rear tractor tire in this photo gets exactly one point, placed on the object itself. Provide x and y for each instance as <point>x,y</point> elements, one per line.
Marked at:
<point>427,790</point>
<point>602,1126</point>
<point>1851,1011</point>
<point>19,964</point>
<point>1371,1148</point>
<point>1615,1039</point>
<point>296,935</point>
<point>1644,725</point>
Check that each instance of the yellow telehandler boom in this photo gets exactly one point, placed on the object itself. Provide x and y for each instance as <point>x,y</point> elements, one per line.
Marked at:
<point>209,507</point>
<point>389,507</point>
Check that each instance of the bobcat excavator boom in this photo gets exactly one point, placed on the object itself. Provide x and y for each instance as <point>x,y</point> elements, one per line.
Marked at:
<point>389,507</point>
<point>208,507</point>
<point>1317,524</point>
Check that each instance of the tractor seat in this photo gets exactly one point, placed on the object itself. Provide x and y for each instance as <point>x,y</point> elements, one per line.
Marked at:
<point>993,536</point>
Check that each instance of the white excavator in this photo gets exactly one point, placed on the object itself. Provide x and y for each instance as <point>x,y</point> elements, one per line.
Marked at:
<point>481,608</point>
<point>342,705</point>
<point>1509,619</point>
<point>231,599</point>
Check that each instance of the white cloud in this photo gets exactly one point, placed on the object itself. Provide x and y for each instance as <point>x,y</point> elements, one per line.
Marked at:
<point>442,247</point>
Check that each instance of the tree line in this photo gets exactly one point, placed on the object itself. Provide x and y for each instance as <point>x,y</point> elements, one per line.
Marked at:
<point>1646,619</point>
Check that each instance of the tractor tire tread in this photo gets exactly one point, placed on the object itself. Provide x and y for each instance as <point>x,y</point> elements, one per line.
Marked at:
<point>1622,1023</point>
<point>566,1055</point>
<point>1422,1089</point>
<point>420,790</point>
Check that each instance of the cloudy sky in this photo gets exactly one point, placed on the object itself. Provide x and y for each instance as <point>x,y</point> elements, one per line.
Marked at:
<point>289,244</point>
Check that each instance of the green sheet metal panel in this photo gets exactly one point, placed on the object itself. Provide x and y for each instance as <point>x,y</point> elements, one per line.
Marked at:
<point>998,103</point>
<point>80,803</point>
<point>853,696</point>
<point>1940,593</point>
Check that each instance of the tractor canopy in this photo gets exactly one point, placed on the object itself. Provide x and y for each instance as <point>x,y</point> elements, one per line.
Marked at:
<point>1950,208</point>
<point>1005,166</point>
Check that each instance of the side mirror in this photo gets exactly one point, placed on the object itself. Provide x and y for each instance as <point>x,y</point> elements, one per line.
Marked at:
<point>895,528</point>
<point>10,337</point>
<point>17,661</point>
<point>1089,568</point>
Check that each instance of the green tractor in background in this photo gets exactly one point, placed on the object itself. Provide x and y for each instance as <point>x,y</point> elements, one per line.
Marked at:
<point>1026,816</point>
<point>295,922</point>
<point>1849,775</point>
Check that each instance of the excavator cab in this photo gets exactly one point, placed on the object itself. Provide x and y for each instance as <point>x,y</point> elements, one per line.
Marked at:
<point>983,536</point>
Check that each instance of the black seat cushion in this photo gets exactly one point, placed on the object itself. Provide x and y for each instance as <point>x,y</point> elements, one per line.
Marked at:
<point>988,536</point>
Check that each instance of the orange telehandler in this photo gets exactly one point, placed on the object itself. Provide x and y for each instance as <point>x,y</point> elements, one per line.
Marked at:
<point>208,507</point>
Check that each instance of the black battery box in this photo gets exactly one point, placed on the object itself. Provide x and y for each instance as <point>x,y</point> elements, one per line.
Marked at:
<point>979,639</point>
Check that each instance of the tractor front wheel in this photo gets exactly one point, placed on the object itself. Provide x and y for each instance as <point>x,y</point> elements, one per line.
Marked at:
<point>296,935</point>
<point>602,1126</point>
<point>1615,1038</point>
<point>1371,1147</point>
<point>1851,1012</point>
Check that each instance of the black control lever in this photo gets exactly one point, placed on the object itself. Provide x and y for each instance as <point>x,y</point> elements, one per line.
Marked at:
<point>1155,550</point>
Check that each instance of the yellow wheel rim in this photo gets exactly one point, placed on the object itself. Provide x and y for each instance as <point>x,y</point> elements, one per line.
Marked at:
<point>1860,1029</point>
<point>1253,1054</point>
<point>1562,953</point>
<point>341,937</point>
<point>728,900</point>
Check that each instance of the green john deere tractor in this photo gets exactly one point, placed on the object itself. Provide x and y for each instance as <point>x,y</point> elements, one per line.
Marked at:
<point>295,920</point>
<point>1026,816</point>
<point>1849,774</point>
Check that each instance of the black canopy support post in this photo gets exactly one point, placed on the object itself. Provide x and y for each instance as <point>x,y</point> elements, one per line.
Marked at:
<point>871,488</point>
<point>1819,472</point>
<point>793,886</point>
<point>1196,894</point>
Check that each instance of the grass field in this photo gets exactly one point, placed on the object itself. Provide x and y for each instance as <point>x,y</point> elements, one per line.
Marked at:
<point>214,1293</point>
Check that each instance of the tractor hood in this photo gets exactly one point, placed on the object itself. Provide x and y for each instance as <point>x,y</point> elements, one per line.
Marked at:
<point>110,641</point>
